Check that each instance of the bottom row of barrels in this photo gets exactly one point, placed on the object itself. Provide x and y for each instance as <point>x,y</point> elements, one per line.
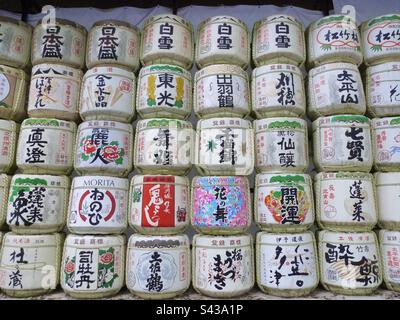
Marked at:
<point>223,266</point>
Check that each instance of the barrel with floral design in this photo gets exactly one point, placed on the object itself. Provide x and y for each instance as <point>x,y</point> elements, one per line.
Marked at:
<point>104,147</point>
<point>93,266</point>
<point>221,205</point>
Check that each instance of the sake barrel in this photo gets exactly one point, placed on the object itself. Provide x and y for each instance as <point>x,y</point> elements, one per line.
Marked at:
<point>278,90</point>
<point>342,143</point>
<point>8,141</point>
<point>221,205</point>
<point>98,205</point>
<point>388,199</point>
<point>278,39</point>
<point>224,146</point>
<point>54,92</point>
<point>13,93</point>
<point>164,91</point>
<point>168,39</point>
<point>113,42</point>
<point>108,93</point>
<point>30,264</point>
<point>15,42</point>
<point>221,90</point>
<point>158,267</point>
<point>287,263</point>
<point>281,145</point>
<point>222,39</point>
<point>37,204</point>
<point>46,146</point>
<point>159,204</point>
<point>93,266</point>
<point>345,201</point>
<point>4,188</point>
<point>349,262</point>
<point>390,252</point>
<point>104,147</point>
<point>382,89</point>
<point>335,88</point>
<point>380,39</point>
<point>62,42</point>
<point>223,266</point>
<point>164,146</point>
<point>333,39</point>
<point>283,202</point>
<point>386,143</point>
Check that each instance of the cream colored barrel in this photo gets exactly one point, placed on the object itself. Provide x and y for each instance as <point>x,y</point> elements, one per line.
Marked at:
<point>37,204</point>
<point>164,91</point>
<point>221,205</point>
<point>114,43</point>
<point>64,43</point>
<point>4,189</point>
<point>278,90</point>
<point>30,264</point>
<point>335,88</point>
<point>350,263</point>
<point>159,204</point>
<point>281,145</point>
<point>283,202</point>
<point>15,42</point>
<point>158,267</point>
<point>380,39</point>
<point>333,39</point>
<point>276,256</point>
<point>164,146</point>
<point>386,143</point>
<point>345,201</point>
<point>387,193</point>
<point>93,266</point>
<point>390,251</point>
<point>168,39</point>
<point>104,148</point>
<point>222,40</point>
<point>54,92</point>
<point>221,90</point>
<point>382,89</point>
<point>46,146</point>
<point>98,205</point>
<point>8,140</point>
<point>342,143</point>
<point>278,39</point>
<point>13,93</point>
<point>223,266</point>
<point>224,146</point>
<point>108,93</point>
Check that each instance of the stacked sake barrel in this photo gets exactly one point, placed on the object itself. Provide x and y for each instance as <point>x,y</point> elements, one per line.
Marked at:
<point>38,196</point>
<point>158,255</point>
<point>286,257</point>
<point>224,156</point>
<point>381,48</point>
<point>345,197</point>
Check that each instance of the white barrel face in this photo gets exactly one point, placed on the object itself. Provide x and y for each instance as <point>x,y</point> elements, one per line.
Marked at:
<point>390,250</point>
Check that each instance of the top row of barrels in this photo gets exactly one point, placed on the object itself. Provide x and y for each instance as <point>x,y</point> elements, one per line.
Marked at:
<point>219,40</point>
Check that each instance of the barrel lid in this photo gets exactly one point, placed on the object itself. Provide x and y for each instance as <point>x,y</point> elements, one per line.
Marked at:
<point>114,23</point>
<point>221,68</point>
<point>219,180</point>
<point>382,178</point>
<point>342,237</point>
<point>389,237</point>
<point>97,70</point>
<point>342,175</point>
<point>277,67</point>
<point>139,179</point>
<point>105,124</point>
<point>170,17</point>
<point>216,242</point>
<point>379,19</point>
<point>383,67</point>
<point>153,242</point>
<point>110,182</point>
<point>39,180</point>
<point>48,122</point>
<point>279,123</point>
<point>8,125</point>
<point>164,68</point>
<point>56,69</point>
<point>163,122</point>
<point>283,178</point>
<point>332,67</point>
<point>16,22</point>
<point>346,119</point>
<point>333,18</point>
<point>66,22</point>
<point>94,241</point>
<point>38,240</point>
<point>386,122</point>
